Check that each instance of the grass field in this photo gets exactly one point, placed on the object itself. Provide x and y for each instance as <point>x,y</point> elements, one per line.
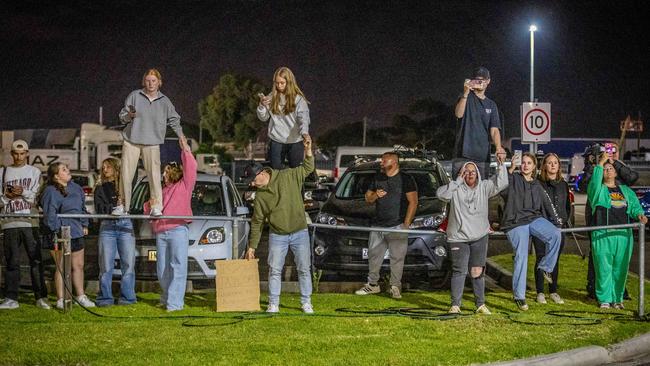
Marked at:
<point>143,334</point>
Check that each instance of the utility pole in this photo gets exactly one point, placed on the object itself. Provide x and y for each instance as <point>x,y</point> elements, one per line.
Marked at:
<point>365,123</point>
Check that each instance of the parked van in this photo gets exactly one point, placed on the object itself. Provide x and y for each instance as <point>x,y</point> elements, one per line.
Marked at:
<point>346,155</point>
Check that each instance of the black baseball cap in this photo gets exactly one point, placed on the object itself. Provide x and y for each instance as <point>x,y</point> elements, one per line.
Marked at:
<point>481,72</point>
<point>251,171</point>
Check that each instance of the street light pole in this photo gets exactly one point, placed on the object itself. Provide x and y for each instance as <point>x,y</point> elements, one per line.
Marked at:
<point>532,29</point>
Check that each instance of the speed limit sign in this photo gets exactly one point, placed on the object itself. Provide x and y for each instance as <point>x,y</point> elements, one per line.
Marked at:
<point>536,122</point>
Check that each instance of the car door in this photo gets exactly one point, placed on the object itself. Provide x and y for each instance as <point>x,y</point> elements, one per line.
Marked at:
<point>243,227</point>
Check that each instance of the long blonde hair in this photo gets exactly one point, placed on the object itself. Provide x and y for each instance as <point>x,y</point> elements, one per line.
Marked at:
<point>291,90</point>
<point>116,165</point>
<point>543,173</point>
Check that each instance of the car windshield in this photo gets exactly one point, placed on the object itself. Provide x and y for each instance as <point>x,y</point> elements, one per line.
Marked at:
<point>81,180</point>
<point>354,185</point>
<point>207,199</point>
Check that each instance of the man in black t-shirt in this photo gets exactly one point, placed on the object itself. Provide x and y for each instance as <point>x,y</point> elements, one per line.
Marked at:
<point>479,121</point>
<point>396,199</point>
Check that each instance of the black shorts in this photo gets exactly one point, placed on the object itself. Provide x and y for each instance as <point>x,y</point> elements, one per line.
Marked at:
<point>47,242</point>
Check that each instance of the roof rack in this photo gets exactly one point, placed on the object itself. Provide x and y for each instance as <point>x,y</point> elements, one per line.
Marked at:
<point>416,152</point>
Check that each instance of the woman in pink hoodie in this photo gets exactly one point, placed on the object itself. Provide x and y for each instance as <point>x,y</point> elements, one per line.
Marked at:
<point>172,234</point>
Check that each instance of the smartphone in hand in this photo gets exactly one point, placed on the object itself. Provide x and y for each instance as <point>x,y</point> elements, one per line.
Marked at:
<point>517,158</point>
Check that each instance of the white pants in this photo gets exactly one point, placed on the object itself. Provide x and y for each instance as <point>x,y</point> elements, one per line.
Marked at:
<point>151,159</point>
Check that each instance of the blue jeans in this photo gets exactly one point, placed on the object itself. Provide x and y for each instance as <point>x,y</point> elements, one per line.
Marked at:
<point>116,235</point>
<point>519,238</point>
<point>278,246</point>
<point>172,266</point>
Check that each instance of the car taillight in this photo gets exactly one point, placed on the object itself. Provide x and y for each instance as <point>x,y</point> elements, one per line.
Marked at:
<point>443,226</point>
<point>336,172</point>
<point>572,197</point>
<point>88,191</point>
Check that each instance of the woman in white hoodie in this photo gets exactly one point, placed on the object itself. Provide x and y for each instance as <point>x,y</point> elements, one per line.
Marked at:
<point>287,113</point>
<point>467,229</point>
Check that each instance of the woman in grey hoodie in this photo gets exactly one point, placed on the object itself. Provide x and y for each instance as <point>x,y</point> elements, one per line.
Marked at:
<point>467,229</point>
<point>287,113</point>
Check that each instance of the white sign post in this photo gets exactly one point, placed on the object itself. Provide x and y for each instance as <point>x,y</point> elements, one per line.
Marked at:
<point>535,124</point>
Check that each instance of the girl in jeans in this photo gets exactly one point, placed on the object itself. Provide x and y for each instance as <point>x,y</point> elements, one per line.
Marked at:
<point>524,214</point>
<point>114,235</point>
<point>287,113</point>
<point>60,195</point>
<point>172,234</point>
<point>557,189</point>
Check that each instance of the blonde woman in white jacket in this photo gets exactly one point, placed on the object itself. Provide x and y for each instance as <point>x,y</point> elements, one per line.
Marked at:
<point>287,112</point>
<point>467,229</point>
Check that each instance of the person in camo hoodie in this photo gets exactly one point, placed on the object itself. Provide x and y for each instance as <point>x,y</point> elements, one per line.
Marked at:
<point>467,229</point>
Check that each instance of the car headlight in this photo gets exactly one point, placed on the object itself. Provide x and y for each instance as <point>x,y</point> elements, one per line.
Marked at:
<point>319,250</point>
<point>328,219</point>
<point>307,196</point>
<point>213,236</point>
<point>428,222</point>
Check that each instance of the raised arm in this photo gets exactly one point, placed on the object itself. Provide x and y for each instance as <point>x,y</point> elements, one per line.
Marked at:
<point>189,163</point>
<point>459,110</point>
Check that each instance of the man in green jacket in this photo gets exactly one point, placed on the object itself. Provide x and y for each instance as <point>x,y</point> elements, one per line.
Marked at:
<point>279,201</point>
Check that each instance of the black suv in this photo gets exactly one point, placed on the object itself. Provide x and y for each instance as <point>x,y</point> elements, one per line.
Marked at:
<point>345,252</point>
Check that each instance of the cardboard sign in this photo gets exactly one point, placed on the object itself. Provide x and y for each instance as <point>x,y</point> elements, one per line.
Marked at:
<point>238,285</point>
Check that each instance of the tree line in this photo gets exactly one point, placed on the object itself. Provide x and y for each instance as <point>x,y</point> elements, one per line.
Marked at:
<point>228,114</point>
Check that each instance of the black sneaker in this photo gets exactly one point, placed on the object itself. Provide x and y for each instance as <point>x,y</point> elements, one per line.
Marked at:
<point>548,277</point>
<point>521,304</point>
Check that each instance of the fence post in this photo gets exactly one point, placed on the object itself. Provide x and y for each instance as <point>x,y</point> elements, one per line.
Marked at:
<point>641,269</point>
<point>67,268</point>
<point>235,238</point>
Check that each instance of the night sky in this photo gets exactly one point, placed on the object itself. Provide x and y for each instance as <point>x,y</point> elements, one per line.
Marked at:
<point>352,59</point>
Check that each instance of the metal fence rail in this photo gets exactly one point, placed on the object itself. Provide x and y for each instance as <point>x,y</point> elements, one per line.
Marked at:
<point>638,226</point>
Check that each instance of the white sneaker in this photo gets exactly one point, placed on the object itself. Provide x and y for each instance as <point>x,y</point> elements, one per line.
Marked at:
<point>556,298</point>
<point>118,211</point>
<point>59,304</point>
<point>483,310</point>
<point>9,304</point>
<point>454,309</point>
<point>307,308</point>
<point>84,301</point>
<point>368,289</point>
<point>155,212</point>
<point>43,304</point>
<point>272,308</point>
<point>395,293</point>
<point>541,298</point>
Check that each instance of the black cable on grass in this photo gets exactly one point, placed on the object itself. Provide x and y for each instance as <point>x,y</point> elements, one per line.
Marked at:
<point>627,316</point>
<point>582,321</point>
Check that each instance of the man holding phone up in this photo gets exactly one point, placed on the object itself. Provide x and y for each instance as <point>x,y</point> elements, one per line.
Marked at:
<point>147,112</point>
<point>479,121</point>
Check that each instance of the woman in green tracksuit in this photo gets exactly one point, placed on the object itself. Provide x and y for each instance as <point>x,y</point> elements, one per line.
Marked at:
<point>611,204</point>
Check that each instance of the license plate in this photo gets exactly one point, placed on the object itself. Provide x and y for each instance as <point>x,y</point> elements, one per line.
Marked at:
<point>364,254</point>
<point>151,256</point>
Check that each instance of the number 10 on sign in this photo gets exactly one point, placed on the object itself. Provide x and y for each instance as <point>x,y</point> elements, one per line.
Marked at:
<point>535,122</point>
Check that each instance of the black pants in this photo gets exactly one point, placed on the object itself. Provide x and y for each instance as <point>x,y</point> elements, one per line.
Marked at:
<point>13,240</point>
<point>540,251</point>
<point>278,153</point>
